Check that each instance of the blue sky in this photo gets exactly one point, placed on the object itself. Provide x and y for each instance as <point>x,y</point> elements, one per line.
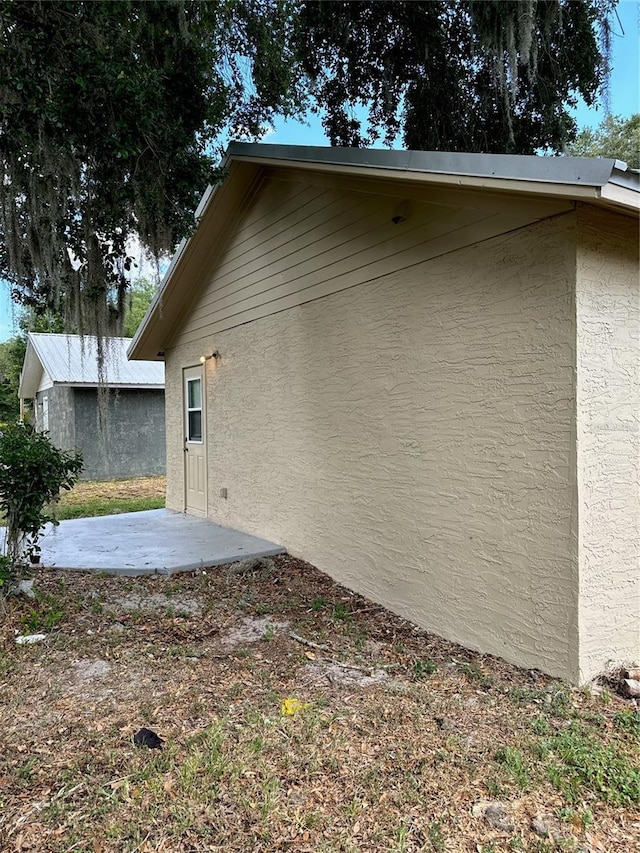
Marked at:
<point>624,90</point>
<point>624,100</point>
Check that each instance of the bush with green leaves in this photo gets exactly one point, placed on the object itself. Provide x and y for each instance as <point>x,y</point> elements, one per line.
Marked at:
<point>32,473</point>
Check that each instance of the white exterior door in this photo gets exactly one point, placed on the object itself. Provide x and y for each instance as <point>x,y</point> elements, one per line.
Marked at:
<point>195,447</point>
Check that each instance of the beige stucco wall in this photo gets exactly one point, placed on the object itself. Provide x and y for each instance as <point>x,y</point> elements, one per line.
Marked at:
<point>608,439</point>
<point>414,436</point>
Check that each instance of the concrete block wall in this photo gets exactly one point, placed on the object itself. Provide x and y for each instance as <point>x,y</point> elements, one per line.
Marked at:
<point>133,442</point>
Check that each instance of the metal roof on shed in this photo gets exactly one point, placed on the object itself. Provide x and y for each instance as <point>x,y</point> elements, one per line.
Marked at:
<point>73,360</point>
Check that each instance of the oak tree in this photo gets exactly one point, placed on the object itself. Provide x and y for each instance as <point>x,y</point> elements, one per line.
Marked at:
<point>614,137</point>
<point>113,114</point>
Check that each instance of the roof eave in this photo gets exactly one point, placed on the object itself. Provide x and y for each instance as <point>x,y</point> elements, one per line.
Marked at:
<point>594,171</point>
<point>597,181</point>
<point>31,366</point>
<point>120,386</point>
<point>156,327</point>
<point>620,196</point>
<point>594,180</point>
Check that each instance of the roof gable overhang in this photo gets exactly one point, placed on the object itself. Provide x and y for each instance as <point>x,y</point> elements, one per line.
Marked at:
<point>31,373</point>
<point>532,188</point>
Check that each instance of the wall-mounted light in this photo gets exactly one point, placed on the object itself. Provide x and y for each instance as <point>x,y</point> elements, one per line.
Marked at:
<point>215,354</point>
<point>401,213</point>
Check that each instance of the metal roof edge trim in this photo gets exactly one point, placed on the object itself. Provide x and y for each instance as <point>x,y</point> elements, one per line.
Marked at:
<point>579,171</point>
<point>623,176</point>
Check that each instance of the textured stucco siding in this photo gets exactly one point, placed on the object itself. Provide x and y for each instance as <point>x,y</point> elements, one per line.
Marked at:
<point>608,439</point>
<point>414,436</point>
<point>133,441</point>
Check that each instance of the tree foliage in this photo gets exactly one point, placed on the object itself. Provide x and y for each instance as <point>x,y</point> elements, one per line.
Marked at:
<point>614,137</point>
<point>139,298</point>
<point>481,75</point>
<point>11,359</point>
<point>107,112</point>
<point>113,114</point>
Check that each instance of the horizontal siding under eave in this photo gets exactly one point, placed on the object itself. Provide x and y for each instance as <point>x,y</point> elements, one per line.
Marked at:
<point>297,244</point>
<point>334,251</point>
<point>263,223</point>
<point>337,222</point>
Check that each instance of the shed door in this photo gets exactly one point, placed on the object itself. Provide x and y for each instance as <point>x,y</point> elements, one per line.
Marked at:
<point>45,412</point>
<point>195,447</point>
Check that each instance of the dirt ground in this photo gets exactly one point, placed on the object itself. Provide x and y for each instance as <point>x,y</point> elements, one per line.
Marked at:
<point>296,716</point>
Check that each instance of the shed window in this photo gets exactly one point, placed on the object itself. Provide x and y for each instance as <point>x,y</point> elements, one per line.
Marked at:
<point>194,409</point>
<point>45,412</point>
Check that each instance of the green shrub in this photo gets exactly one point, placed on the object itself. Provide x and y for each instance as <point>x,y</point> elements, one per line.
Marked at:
<point>32,473</point>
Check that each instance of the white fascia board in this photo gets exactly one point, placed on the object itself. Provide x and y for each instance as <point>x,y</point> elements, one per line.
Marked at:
<point>31,372</point>
<point>620,196</point>
<point>45,382</point>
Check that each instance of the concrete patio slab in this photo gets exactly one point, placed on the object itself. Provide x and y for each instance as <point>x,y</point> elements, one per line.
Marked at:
<point>157,541</point>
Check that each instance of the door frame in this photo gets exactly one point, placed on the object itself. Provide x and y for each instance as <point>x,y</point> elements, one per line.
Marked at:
<point>193,369</point>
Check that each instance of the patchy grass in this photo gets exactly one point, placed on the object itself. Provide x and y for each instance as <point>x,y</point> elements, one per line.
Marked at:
<point>108,497</point>
<point>331,725</point>
<point>576,760</point>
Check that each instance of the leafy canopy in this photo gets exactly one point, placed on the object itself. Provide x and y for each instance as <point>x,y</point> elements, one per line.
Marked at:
<point>482,75</point>
<point>139,298</point>
<point>113,114</point>
<point>12,354</point>
<point>614,137</point>
<point>107,115</point>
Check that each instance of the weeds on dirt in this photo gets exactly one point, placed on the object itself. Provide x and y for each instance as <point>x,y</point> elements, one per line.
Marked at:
<point>280,733</point>
<point>45,615</point>
<point>515,764</point>
<point>578,763</point>
<point>628,720</point>
<point>424,668</point>
<point>554,698</point>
